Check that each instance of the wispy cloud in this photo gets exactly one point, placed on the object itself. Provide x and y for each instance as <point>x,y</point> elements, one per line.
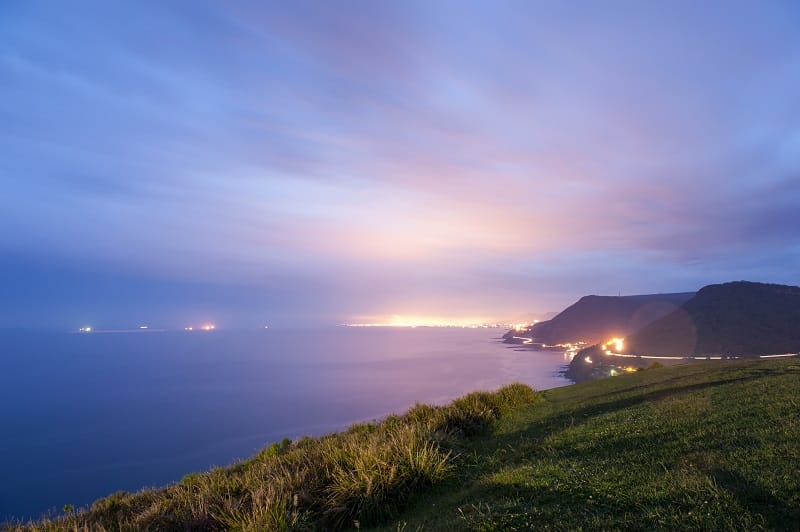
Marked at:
<point>486,158</point>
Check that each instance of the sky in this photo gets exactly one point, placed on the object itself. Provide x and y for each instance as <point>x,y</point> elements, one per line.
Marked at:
<point>330,162</point>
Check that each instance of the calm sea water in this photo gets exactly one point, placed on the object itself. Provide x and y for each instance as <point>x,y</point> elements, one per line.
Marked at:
<point>84,415</point>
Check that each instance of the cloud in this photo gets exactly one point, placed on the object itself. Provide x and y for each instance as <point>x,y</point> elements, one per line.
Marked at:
<point>470,160</point>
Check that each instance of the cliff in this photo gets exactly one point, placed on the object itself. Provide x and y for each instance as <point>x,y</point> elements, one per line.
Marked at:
<point>739,318</point>
<point>594,319</point>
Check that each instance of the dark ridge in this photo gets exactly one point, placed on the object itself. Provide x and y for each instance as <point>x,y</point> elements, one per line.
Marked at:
<point>594,319</point>
<point>739,318</point>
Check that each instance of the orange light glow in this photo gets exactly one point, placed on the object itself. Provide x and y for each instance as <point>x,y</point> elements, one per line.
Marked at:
<point>429,321</point>
<point>617,343</point>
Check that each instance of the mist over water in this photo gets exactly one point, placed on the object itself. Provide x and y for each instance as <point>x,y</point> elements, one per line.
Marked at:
<point>84,415</point>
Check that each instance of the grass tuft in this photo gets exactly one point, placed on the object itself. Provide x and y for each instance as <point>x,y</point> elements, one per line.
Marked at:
<point>359,477</point>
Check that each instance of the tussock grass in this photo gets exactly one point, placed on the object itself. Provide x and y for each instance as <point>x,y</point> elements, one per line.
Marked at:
<point>704,446</point>
<point>355,478</point>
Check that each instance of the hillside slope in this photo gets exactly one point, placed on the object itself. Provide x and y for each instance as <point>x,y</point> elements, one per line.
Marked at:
<point>705,446</point>
<point>594,319</point>
<point>739,318</point>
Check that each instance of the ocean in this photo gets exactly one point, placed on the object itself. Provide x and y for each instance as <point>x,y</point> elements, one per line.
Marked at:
<point>85,415</point>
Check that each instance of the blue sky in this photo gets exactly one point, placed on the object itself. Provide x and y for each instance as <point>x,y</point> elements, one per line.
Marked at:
<point>326,162</point>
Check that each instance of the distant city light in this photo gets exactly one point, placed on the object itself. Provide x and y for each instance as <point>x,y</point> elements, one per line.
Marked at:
<point>85,329</point>
<point>424,321</point>
<point>206,327</point>
<point>143,326</point>
<point>618,343</point>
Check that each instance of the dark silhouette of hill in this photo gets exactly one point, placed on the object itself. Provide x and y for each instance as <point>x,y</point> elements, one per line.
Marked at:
<point>595,319</point>
<point>739,318</point>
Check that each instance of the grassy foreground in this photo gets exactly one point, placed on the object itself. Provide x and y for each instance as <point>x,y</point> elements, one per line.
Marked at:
<point>703,446</point>
<point>710,446</point>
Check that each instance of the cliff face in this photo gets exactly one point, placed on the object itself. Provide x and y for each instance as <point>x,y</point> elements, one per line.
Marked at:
<point>739,318</point>
<point>595,319</point>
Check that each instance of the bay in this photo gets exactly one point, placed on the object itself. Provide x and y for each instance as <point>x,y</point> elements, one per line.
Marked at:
<point>85,415</point>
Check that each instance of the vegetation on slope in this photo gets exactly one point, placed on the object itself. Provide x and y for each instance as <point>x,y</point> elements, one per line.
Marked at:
<point>740,318</point>
<point>357,477</point>
<point>704,446</point>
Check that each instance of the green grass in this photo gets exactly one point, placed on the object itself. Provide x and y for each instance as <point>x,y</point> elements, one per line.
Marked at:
<point>706,446</point>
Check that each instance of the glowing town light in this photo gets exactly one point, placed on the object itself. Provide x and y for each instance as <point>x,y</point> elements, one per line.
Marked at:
<point>619,344</point>
<point>587,360</point>
<point>208,327</point>
<point>423,321</point>
<point>190,328</point>
<point>85,329</point>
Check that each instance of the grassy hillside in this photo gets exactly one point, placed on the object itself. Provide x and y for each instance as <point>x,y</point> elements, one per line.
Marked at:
<point>700,446</point>
<point>711,446</point>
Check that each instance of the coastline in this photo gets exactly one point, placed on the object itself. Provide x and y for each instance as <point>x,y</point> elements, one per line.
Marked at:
<point>177,402</point>
<point>481,446</point>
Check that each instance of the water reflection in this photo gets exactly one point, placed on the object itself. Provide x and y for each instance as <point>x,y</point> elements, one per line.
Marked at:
<point>85,415</point>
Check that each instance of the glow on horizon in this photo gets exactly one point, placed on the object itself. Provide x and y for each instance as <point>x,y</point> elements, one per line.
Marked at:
<point>205,327</point>
<point>428,321</point>
<point>384,173</point>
